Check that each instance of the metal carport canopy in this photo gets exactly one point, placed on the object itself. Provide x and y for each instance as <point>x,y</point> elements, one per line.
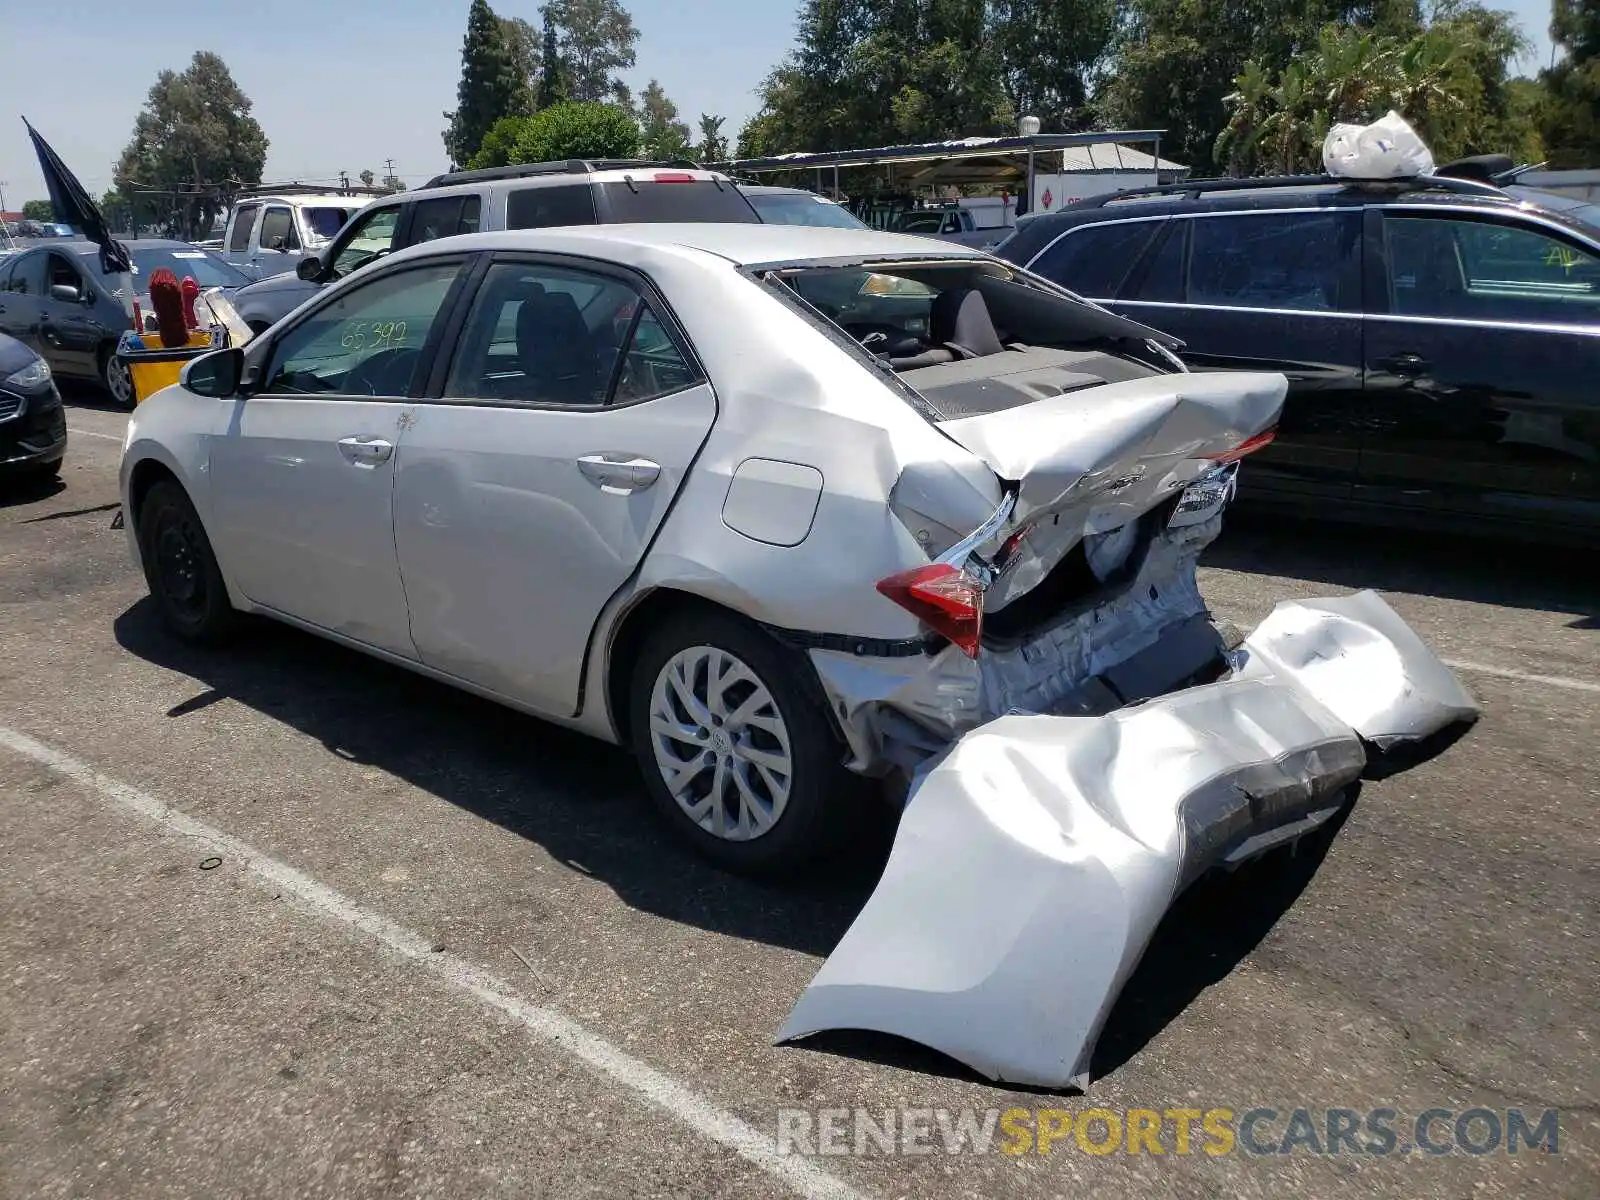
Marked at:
<point>976,147</point>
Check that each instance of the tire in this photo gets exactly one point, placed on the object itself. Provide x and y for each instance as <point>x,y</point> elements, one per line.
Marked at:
<point>114,378</point>
<point>180,568</point>
<point>774,823</point>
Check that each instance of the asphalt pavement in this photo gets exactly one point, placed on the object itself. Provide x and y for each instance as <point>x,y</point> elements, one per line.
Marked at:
<point>284,921</point>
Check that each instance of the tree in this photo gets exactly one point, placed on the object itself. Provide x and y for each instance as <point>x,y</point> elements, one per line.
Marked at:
<point>552,75</point>
<point>1450,80</point>
<point>492,85</point>
<point>870,72</point>
<point>596,40</point>
<point>713,145</point>
<point>499,146</point>
<point>662,135</point>
<point>368,179</point>
<point>1175,61</point>
<point>578,130</point>
<point>1569,115</point>
<point>392,184</point>
<point>195,141</point>
<point>38,210</point>
<point>523,44</point>
<point>1052,51</point>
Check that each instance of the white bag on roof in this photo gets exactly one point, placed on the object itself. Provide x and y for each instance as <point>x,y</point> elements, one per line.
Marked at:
<point>1386,149</point>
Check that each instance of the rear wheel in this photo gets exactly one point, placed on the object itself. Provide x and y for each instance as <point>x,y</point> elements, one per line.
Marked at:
<point>180,568</point>
<point>114,377</point>
<point>737,756</point>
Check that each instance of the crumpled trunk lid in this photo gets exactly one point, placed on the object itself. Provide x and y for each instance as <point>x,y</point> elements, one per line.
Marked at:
<point>1121,447</point>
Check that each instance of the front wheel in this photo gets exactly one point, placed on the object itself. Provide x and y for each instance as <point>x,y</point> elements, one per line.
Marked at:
<point>737,757</point>
<point>181,569</point>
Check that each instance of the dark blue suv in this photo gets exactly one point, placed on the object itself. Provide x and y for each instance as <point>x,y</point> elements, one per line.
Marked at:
<point>1441,335</point>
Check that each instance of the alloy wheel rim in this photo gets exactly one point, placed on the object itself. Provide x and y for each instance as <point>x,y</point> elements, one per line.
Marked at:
<point>720,743</point>
<point>118,381</point>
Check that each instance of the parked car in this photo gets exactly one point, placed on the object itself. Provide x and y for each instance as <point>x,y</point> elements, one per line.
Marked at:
<point>33,425</point>
<point>1441,336</point>
<point>526,196</point>
<point>55,299</point>
<point>795,206</point>
<point>271,230</point>
<point>641,481</point>
<point>958,223</point>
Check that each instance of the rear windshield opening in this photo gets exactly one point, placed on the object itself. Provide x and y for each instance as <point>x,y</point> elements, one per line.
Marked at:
<point>922,314</point>
<point>691,200</point>
<point>973,337</point>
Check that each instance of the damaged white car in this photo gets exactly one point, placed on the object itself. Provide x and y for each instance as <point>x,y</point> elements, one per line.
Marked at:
<point>781,508</point>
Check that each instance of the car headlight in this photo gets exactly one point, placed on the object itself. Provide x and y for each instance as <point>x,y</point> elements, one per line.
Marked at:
<point>31,376</point>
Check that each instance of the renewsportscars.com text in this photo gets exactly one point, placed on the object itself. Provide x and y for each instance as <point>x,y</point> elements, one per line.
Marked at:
<point>1215,1131</point>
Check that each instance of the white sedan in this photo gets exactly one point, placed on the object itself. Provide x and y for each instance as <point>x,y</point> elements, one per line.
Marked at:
<point>779,508</point>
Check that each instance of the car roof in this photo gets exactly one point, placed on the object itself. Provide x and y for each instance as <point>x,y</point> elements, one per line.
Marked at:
<point>743,244</point>
<point>1041,228</point>
<point>770,189</point>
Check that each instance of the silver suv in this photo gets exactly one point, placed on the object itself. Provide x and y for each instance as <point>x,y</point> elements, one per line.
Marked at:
<point>525,196</point>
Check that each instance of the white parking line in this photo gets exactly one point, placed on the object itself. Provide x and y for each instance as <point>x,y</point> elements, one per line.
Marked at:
<point>110,437</point>
<point>666,1093</point>
<point>1557,681</point>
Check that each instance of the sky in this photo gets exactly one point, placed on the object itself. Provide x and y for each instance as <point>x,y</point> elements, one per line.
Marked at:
<point>344,85</point>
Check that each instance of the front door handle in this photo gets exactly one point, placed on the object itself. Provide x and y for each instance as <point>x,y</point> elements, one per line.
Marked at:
<point>619,474</point>
<point>365,451</point>
<point>1409,365</point>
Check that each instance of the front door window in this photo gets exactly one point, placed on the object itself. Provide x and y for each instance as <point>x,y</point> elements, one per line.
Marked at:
<point>372,235</point>
<point>366,342</point>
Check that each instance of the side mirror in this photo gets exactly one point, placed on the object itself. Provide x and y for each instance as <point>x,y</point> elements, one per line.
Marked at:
<point>216,374</point>
<point>309,268</point>
<point>65,293</point>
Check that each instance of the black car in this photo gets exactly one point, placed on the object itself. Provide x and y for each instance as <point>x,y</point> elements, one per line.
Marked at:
<point>33,426</point>
<point>55,299</point>
<point>1441,335</point>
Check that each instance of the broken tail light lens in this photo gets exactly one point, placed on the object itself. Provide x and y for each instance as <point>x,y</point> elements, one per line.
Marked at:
<point>1248,446</point>
<point>947,600</point>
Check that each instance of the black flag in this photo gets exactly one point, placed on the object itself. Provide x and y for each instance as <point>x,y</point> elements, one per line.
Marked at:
<point>74,206</point>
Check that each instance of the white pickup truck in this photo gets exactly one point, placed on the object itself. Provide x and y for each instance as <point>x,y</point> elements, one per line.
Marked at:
<point>271,228</point>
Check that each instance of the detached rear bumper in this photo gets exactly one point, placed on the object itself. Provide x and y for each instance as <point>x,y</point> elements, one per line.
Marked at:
<point>1037,855</point>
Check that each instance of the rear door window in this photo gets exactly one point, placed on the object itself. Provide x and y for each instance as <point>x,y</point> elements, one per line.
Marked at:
<point>445,216</point>
<point>1094,260</point>
<point>541,207</point>
<point>1277,260</point>
<point>244,220</point>
<point>693,199</point>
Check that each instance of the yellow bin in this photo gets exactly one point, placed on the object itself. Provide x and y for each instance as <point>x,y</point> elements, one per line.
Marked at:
<point>156,367</point>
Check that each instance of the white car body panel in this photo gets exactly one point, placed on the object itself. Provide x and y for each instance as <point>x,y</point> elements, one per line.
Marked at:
<point>499,532</point>
<point>307,527</point>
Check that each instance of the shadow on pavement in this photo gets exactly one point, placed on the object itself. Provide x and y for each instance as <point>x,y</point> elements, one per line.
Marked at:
<point>582,801</point>
<point>1480,571</point>
<point>29,489</point>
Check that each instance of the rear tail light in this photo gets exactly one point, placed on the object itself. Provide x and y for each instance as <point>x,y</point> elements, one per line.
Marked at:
<point>947,600</point>
<point>673,177</point>
<point>1248,446</point>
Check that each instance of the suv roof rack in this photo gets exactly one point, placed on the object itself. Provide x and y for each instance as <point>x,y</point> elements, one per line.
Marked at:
<point>569,166</point>
<point>304,189</point>
<point>1199,187</point>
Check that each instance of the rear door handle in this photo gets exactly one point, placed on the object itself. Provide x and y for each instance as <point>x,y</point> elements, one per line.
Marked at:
<point>619,474</point>
<point>365,451</point>
<point>1404,364</point>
